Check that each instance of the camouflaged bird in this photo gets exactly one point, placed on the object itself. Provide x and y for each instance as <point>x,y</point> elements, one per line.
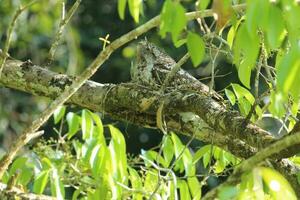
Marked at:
<point>153,65</point>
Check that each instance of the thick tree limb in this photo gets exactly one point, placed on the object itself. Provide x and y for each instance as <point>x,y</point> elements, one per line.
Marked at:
<point>186,112</point>
<point>16,193</point>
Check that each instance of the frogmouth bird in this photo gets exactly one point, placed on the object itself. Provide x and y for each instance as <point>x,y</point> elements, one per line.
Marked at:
<point>153,66</point>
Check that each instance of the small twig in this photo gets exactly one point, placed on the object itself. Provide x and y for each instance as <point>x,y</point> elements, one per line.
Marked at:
<point>63,22</point>
<point>173,71</point>
<point>9,32</point>
<point>213,62</point>
<point>216,76</point>
<point>256,83</point>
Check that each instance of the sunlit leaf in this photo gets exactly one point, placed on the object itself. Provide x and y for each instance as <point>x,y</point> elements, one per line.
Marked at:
<point>288,71</point>
<point>246,49</point>
<point>181,150</point>
<point>151,180</point>
<point>59,114</point>
<point>242,92</point>
<point>275,27</point>
<point>202,4</point>
<point>40,182</point>
<point>73,121</point>
<point>121,8</point>
<point>168,150</point>
<point>230,95</point>
<point>279,187</point>
<point>257,15</point>
<point>195,187</point>
<point>184,190</point>
<point>172,12</point>
<point>196,48</point>
<point>86,124</point>
<point>136,183</point>
<point>57,187</point>
<point>201,152</point>
<point>117,148</point>
<point>154,156</point>
<point>134,9</point>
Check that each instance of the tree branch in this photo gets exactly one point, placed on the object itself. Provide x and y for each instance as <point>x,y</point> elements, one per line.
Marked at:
<point>80,80</point>
<point>16,193</point>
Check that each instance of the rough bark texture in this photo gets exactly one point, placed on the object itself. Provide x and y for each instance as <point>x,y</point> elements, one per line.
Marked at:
<point>16,193</point>
<point>185,111</point>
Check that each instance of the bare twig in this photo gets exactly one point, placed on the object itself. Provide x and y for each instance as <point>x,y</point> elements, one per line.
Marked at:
<point>173,71</point>
<point>64,21</point>
<point>9,32</point>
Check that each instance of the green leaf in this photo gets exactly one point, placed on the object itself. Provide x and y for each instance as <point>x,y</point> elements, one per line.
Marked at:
<point>244,106</point>
<point>73,121</point>
<point>202,4</point>
<point>59,113</point>
<point>40,182</point>
<point>168,150</point>
<point>134,9</point>
<point>87,149</point>
<point>97,160</point>
<point>172,12</point>
<point>279,187</point>
<point>244,73</point>
<point>257,15</point>
<point>121,8</point>
<point>154,156</point>
<point>241,92</point>
<point>206,159</point>
<point>151,180</point>
<point>98,130</point>
<point>196,48</point>
<point>245,49</point>
<point>117,148</point>
<point>18,164</point>
<point>291,16</point>
<point>86,124</point>
<point>98,122</point>
<point>76,194</point>
<point>288,71</point>
<point>201,152</point>
<point>186,159</point>
<point>184,190</point>
<point>136,183</point>
<point>230,36</point>
<point>275,28</point>
<point>57,187</point>
<point>195,187</point>
<point>230,95</point>
<point>232,32</point>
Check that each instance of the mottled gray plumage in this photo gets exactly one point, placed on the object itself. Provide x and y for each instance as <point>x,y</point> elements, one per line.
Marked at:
<point>153,65</point>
